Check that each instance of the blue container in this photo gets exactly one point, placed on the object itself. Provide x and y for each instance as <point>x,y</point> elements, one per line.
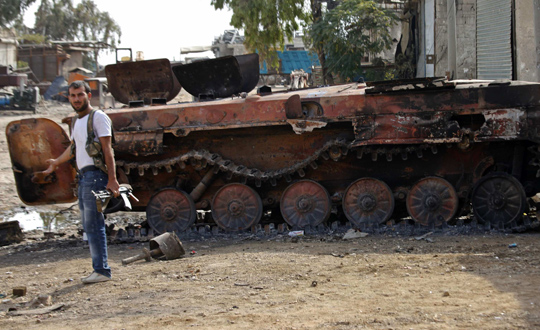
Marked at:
<point>5,100</point>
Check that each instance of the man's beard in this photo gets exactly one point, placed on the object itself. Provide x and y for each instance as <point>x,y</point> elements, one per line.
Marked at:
<point>83,107</point>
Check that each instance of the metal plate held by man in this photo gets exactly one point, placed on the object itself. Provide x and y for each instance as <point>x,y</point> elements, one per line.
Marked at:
<point>31,142</point>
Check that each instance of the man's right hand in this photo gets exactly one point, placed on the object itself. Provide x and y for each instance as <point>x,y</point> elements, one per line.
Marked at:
<point>54,163</point>
<point>52,166</point>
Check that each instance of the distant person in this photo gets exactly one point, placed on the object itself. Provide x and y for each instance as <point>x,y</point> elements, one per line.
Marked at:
<point>96,171</point>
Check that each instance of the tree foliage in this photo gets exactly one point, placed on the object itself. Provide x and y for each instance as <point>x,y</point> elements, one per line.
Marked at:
<point>94,25</point>
<point>56,20</point>
<point>10,10</point>
<point>341,32</point>
<point>350,31</point>
<point>266,23</point>
<point>60,20</point>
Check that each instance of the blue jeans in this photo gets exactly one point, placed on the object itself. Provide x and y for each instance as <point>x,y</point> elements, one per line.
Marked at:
<point>92,220</point>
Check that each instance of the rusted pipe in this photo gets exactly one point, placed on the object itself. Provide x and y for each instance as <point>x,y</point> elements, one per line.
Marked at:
<point>199,190</point>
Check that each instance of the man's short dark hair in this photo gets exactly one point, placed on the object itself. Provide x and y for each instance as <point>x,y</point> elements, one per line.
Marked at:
<point>80,83</point>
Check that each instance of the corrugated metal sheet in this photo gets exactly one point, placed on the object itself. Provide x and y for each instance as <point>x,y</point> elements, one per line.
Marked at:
<point>494,39</point>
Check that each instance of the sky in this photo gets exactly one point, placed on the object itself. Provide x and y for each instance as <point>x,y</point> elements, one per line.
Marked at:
<point>159,28</point>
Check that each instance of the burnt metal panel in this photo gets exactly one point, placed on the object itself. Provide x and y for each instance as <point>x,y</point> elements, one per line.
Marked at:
<point>142,80</point>
<point>31,143</point>
<point>364,127</point>
<point>220,77</point>
<point>139,143</point>
<point>401,85</point>
<point>249,70</point>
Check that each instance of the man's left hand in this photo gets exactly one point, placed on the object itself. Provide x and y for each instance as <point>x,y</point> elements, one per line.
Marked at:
<point>114,187</point>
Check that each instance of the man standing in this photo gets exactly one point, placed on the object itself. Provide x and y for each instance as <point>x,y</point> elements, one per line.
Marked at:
<point>91,177</point>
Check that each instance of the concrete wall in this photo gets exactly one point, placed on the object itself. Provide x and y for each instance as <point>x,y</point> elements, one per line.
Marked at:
<point>75,61</point>
<point>465,39</point>
<point>8,48</point>
<point>445,30</point>
<point>8,52</point>
<point>537,43</point>
<point>527,40</point>
<point>426,41</point>
<point>395,32</point>
<point>455,39</point>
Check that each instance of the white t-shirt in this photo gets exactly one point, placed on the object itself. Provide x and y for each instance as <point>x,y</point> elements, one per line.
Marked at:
<point>102,127</point>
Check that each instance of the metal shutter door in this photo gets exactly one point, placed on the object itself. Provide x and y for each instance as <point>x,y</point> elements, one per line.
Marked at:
<point>494,39</point>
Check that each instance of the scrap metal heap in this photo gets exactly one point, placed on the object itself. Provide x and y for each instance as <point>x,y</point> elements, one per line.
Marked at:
<point>19,96</point>
<point>430,149</point>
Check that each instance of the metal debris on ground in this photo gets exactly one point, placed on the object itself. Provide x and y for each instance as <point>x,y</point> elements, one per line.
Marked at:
<point>10,232</point>
<point>354,233</point>
<point>37,311</point>
<point>19,291</point>
<point>424,237</point>
<point>296,233</point>
<point>165,245</point>
<point>41,300</point>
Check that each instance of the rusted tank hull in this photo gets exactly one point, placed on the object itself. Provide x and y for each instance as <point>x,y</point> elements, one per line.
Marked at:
<point>334,136</point>
<point>261,159</point>
<point>372,153</point>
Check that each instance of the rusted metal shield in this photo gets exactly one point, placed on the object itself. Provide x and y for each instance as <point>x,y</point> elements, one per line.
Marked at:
<point>31,142</point>
<point>220,77</point>
<point>142,80</point>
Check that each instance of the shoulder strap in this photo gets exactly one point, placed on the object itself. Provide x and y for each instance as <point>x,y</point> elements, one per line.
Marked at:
<point>99,160</point>
<point>72,126</point>
<point>90,125</point>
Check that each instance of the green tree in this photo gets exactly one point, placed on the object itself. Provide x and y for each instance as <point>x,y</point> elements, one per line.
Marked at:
<point>11,10</point>
<point>350,31</point>
<point>266,23</point>
<point>96,26</point>
<point>60,20</point>
<point>55,20</point>
<point>340,33</point>
<point>318,47</point>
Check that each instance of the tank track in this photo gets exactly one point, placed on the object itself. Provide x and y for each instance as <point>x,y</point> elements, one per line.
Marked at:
<point>331,150</point>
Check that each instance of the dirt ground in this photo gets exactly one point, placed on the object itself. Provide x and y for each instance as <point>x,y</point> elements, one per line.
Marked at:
<point>386,281</point>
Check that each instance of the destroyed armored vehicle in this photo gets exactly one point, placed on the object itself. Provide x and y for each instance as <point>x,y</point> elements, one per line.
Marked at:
<point>424,150</point>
